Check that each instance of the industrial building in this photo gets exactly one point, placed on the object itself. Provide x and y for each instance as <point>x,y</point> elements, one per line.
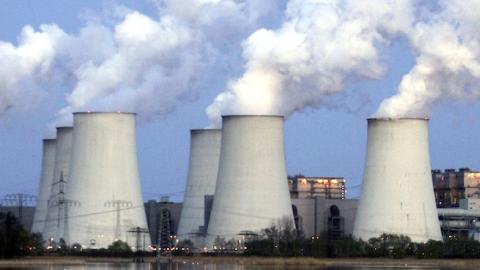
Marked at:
<point>163,219</point>
<point>17,206</point>
<point>302,187</point>
<point>314,216</point>
<point>451,186</point>
<point>457,195</point>
<point>89,190</point>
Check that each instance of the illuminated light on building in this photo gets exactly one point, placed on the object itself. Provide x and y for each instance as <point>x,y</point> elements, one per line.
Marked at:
<point>322,187</point>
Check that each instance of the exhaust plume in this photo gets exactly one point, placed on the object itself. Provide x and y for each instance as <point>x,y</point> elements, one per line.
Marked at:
<point>129,61</point>
<point>446,46</point>
<point>22,66</point>
<point>319,47</point>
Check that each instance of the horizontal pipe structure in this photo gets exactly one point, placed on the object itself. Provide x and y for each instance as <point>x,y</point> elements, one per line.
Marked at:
<point>46,178</point>
<point>252,189</point>
<point>56,212</point>
<point>397,192</point>
<point>105,200</point>
<point>202,177</point>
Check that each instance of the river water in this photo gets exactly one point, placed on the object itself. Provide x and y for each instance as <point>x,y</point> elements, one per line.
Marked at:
<point>207,266</point>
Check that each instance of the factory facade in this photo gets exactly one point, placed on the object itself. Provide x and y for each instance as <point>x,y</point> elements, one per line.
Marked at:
<point>302,187</point>
<point>451,186</point>
<point>316,214</point>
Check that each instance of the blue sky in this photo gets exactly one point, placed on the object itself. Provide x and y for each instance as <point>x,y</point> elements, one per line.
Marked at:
<point>327,141</point>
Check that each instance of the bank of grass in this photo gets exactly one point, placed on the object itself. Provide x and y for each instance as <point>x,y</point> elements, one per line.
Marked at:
<point>332,262</point>
<point>290,262</point>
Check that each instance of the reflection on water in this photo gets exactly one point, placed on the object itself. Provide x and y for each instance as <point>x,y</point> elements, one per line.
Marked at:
<point>188,265</point>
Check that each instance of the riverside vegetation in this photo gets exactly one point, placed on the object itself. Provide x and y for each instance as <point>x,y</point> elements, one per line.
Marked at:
<point>278,241</point>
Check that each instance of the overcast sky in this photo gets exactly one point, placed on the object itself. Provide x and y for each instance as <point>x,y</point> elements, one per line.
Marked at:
<point>324,139</point>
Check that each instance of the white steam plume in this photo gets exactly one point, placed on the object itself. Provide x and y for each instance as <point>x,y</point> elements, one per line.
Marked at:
<point>23,65</point>
<point>134,62</point>
<point>153,63</point>
<point>320,46</point>
<point>446,43</point>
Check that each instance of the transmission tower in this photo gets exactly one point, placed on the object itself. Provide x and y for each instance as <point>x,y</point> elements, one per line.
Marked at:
<point>139,232</point>
<point>60,201</point>
<point>118,205</point>
<point>165,229</point>
<point>19,200</point>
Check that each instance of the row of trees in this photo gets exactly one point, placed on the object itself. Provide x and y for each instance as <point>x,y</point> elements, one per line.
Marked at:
<point>16,241</point>
<point>287,243</point>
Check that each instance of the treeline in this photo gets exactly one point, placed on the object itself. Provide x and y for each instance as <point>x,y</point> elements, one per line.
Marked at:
<point>386,245</point>
<point>16,241</point>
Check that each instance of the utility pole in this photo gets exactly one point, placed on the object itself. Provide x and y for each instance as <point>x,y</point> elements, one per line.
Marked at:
<point>118,205</point>
<point>138,232</point>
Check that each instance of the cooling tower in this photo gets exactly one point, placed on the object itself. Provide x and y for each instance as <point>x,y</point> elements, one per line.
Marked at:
<point>55,223</point>
<point>252,189</point>
<point>202,176</point>
<point>46,177</point>
<point>104,191</point>
<point>397,193</point>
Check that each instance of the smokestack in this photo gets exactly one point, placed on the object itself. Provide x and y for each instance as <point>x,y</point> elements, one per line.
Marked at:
<point>397,193</point>
<point>104,191</point>
<point>202,177</point>
<point>54,226</point>
<point>252,190</point>
<point>48,165</point>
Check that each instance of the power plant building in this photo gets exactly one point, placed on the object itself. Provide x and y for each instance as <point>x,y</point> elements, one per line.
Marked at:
<point>163,218</point>
<point>302,187</point>
<point>451,186</point>
<point>104,194</point>
<point>397,193</point>
<point>252,189</point>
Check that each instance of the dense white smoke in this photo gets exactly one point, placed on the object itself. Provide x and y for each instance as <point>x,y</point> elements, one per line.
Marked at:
<point>129,61</point>
<point>324,44</point>
<point>446,42</point>
<point>22,66</point>
<point>320,46</point>
<point>151,64</point>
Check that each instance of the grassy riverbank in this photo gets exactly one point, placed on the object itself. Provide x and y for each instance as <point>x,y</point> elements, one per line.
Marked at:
<point>255,261</point>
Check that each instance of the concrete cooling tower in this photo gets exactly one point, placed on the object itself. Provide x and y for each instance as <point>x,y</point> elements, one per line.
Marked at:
<point>252,189</point>
<point>46,177</point>
<point>202,177</point>
<point>104,190</point>
<point>56,212</point>
<point>397,194</point>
